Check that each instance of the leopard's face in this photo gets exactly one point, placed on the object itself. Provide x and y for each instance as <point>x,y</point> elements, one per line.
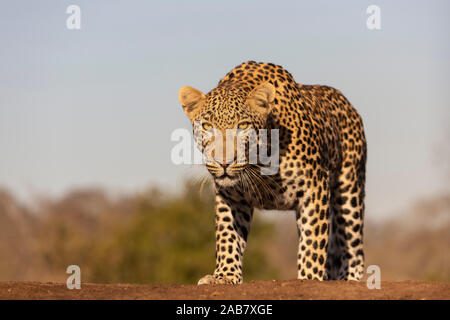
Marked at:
<point>226,124</point>
<point>227,146</point>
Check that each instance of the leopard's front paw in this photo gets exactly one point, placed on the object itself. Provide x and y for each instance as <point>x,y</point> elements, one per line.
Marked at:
<point>211,279</point>
<point>208,279</point>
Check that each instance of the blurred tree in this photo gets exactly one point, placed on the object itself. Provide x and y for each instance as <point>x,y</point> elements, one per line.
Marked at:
<point>172,240</point>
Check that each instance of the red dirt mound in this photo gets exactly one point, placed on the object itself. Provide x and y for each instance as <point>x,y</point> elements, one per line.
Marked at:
<point>293,289</point>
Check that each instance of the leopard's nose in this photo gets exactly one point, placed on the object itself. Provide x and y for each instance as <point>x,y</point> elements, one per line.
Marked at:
<point>224,162</point>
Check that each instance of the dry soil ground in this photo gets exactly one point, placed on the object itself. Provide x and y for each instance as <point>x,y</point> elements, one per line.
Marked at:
<point>293,289</point>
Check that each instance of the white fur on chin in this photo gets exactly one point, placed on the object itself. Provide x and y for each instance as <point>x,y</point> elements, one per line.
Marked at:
<point>226,182</point>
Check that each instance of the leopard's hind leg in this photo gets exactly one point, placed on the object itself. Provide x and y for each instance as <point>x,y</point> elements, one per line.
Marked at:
<point>345,255</point>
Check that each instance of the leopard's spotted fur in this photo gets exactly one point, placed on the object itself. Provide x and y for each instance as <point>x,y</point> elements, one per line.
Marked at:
<point>321,169</point>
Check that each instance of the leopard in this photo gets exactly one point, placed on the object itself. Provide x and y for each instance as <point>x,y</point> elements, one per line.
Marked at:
<point>320,174</point>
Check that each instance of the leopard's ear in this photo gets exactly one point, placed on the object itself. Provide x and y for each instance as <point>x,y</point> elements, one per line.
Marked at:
<point>262,96</point>
<point>191,99</point>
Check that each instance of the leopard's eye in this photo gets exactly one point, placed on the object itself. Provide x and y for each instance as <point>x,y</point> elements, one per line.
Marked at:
<point>244,125</point>
<point>207,126</point>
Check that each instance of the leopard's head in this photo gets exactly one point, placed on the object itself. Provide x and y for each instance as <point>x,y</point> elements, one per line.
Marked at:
<point>226,124</point>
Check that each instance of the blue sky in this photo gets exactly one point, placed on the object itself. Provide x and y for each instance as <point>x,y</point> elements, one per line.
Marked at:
<point>96,106</point>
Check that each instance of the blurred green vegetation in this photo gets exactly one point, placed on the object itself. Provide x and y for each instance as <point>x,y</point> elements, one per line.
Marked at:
<point>159,238</point>
<point>171,241</point>
<point>162,237</point>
